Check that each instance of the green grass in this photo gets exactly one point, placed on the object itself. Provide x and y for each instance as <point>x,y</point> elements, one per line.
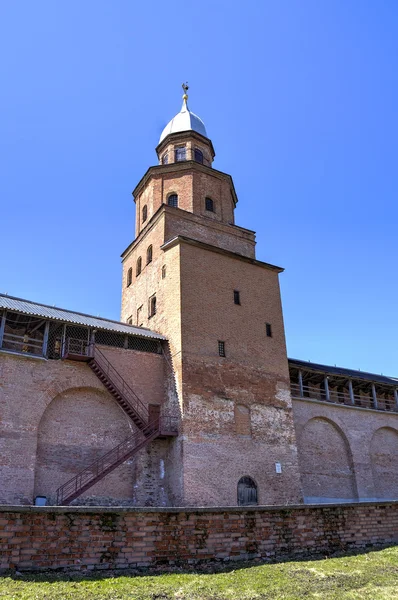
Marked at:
<point>368,576</point>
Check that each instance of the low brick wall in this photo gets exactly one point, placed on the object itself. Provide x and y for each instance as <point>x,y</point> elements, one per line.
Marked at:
<point>109,538</point>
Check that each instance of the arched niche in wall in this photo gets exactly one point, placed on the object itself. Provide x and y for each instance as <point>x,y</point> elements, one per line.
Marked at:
<point>384,459</point>
<point>242,420</point>
<point>77,427</point>
<point>326,468</point>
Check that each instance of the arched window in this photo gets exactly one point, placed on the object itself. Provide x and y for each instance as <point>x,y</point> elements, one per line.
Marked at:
<point>173,200</point>
<point>149,255</point>
<point>144,213</point>
<point>129,276</point>
<point>180,154</point>
<point>165,159</point>
<point>209,204</point>
<point>138,266</point>
<point>247,491</point>
<point>198,154</point>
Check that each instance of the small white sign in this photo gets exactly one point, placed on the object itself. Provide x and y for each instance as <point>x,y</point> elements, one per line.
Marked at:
<point>278,467</point>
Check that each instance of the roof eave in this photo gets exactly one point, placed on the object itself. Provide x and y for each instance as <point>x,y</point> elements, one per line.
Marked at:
<point>98,322</point>
<point>343,372</point>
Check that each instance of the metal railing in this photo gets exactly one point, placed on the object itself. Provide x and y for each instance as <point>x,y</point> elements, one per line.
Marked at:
<point>339,397</point>
<point>76,346</point>
<point>22,344</point>
<point>105,464</point>
<point>73,346</point>
<point>119,384</point>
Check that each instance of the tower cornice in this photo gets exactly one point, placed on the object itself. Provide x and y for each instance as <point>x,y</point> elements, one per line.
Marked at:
<point>180,167</point>
<point>232,229</point>
<point>181,239</point>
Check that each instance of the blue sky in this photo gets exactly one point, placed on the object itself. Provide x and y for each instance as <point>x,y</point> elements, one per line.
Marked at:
<point>299,98</point>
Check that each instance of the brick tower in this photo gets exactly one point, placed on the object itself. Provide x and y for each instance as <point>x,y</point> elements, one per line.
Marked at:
<point>192,275</point>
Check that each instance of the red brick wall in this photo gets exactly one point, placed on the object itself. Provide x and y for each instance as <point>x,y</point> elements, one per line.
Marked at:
<point>210,231</point>
<point>104,538</point>
<point>254,374</point>
<point>56,417</point>
<point>143,371</point>
<point>346,452</point>
<point>325,462</point>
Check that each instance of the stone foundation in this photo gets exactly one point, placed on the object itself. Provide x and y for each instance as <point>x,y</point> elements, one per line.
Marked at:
<point>33,538</point>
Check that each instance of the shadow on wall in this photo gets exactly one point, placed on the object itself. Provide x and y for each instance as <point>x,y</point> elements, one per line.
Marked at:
<point>326,465</point>
<point>384,460</point>
<point>77,426</point>
<point>209,567</point>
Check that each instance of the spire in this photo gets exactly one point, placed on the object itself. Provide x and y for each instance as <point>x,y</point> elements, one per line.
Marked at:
<point>185,87</point>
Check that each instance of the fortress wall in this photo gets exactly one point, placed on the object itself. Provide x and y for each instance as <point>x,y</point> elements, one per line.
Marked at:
<point>56,417</point>
<point>79,538</point>
<point>346,453</point>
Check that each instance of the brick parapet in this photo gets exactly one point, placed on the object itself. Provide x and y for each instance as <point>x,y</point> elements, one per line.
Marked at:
<point>39,538</point>
<point>11,508</point>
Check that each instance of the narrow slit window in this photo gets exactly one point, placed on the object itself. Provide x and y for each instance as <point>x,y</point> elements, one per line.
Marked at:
<point>164,272</point>
<point>152,306</point>
<point>221,348</point>
<point>138,266</point>
<point>129,276</point>
<point>236,297</point>
<point>139,316</point>
<point>130,321</point>
<point>149,255</point>
<point>209,204</point>
<point>144,213</point>
<point>268,329</point>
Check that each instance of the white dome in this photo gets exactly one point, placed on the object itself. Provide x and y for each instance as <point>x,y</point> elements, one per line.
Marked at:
<point>185,120</point>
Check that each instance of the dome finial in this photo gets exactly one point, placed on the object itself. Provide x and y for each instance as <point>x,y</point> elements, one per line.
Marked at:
<point>185,87</point>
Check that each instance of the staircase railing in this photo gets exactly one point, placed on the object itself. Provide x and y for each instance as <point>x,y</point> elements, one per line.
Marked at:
<point>120,384</point>
<point>76,347</point>
<point>161,425</point>
<point>106,463</point>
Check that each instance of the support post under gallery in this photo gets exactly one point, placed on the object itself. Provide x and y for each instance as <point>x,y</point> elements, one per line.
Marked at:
<point>327,392</point>
<point>352,399</point>
<point>374,396</point>
<point>301,387</point>
<point>2,327</point>
<point>45,339</point>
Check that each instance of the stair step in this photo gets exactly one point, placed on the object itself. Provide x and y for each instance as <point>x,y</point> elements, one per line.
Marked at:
<point>120,399</point>
<point>97,475</point>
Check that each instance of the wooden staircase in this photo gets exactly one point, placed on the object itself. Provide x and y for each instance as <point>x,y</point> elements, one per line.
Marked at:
<point>148,429</point>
